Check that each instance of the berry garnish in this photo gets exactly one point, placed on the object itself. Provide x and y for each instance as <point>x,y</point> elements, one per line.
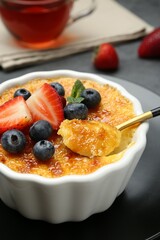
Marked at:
<point>13,141</point>
<point>91,97</point>
<point>106,57</point>
<point>43,150</point>
<point>40,130</point>
<point>14,114</point>
<point>63,100</point>
<point>58,87</point>
<point>22,92</point>
<point>45,104</point>
<point>75,110</point>
<point>150,45</point>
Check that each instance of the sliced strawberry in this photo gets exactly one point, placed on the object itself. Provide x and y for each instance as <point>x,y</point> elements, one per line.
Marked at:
<point>14,114</point>
<point>63,100</point>
<point>45,103</point>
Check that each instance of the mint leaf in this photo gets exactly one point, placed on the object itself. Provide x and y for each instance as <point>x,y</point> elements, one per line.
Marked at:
<point>77,89</point>
<point>75,100</point>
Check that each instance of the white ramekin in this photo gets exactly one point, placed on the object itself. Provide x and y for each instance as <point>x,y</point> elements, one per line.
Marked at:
<point>70,198</point>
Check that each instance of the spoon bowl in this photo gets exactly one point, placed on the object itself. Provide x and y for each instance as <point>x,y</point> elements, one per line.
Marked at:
<point>97,138</point>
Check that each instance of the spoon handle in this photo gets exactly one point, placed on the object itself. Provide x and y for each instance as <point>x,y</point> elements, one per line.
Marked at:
<point>140,118</point>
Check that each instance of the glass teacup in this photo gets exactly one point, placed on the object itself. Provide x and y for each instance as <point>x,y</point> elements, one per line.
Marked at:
<point>37,23</point>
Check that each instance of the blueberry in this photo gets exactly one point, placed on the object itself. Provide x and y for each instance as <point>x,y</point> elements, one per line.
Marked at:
<point>22,92</point>
<point>75,110</point>
<point>43,150</point>
<point>58,87</point>
<point>91,97</point>
<point>13,141</point>
<point>40,130</point>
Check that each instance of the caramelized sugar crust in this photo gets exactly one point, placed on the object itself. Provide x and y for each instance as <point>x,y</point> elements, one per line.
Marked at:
<point>89,138</point>
<point>113,109</point>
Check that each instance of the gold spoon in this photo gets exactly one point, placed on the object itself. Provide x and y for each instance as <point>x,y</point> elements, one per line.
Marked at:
<point>140,118</point>
<point>93,138</point>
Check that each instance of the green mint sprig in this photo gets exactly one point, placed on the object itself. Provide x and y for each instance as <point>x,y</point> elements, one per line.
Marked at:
<point>77,89</point>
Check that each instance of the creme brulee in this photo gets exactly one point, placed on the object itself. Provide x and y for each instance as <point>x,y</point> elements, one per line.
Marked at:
<point>113,109</point>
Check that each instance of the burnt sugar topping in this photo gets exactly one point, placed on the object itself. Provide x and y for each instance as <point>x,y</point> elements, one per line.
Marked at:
<point>47,104</point>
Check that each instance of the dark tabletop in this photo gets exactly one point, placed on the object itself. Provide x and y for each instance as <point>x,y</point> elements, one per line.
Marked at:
<point>130,217</point>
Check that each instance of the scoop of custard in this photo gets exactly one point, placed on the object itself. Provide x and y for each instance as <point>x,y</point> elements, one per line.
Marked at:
<point>89,138</point>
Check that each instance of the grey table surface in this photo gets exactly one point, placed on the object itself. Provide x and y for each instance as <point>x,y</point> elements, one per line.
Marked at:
<point>145,73</point>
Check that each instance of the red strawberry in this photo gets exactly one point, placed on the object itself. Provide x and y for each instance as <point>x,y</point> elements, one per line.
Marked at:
<point>106,57</point>
<point>150,45</point>
<point>14,114</point>
<point>63,100</point>
<point>45,103</point>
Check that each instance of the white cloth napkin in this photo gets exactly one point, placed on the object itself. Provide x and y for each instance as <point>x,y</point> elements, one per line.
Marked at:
<point>110,22</point>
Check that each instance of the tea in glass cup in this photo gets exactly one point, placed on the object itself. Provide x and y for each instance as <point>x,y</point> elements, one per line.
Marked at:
<point>35,23</point>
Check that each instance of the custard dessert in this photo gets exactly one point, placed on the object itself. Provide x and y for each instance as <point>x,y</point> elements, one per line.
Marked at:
<point>89,138</point>
<point>42,106</point>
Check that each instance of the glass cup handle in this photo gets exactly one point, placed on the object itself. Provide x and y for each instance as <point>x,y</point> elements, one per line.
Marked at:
<point>83,13</point>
